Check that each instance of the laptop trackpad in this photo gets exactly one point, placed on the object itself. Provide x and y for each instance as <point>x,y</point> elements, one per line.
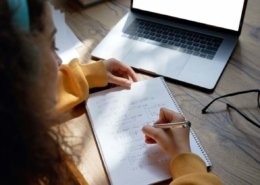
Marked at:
<point>159,60</point>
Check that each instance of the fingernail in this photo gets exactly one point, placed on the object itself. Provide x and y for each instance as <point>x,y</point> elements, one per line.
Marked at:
<point>128,84</point>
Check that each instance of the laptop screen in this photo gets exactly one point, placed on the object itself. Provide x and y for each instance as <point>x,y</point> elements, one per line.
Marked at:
<point>220,13</point>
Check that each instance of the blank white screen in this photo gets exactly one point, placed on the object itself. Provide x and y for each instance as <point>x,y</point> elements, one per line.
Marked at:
<point>220,13</point>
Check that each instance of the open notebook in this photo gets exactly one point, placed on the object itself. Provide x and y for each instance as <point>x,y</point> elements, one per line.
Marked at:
<point>117,116</point>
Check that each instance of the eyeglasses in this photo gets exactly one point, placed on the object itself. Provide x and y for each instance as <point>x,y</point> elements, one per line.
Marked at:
<point>204,110</point>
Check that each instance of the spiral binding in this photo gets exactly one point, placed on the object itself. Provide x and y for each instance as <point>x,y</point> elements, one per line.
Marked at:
<point>191,130</point>
<point>201,147</point>
<point>171,95</point>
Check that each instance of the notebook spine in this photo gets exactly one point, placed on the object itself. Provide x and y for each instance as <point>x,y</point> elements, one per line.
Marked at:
<point>209,164</point>
<point>172,97</point>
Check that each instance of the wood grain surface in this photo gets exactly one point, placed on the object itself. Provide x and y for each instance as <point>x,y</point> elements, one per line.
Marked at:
<point>232,143</point>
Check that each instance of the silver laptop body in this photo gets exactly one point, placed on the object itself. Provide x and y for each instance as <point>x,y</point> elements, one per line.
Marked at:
<point>201,67</point>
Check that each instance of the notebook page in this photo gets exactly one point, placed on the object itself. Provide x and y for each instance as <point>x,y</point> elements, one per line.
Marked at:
<point>117,116</point>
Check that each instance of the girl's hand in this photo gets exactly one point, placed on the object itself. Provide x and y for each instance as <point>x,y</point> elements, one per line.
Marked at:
<point>173,141</point>
<point>119,73</point>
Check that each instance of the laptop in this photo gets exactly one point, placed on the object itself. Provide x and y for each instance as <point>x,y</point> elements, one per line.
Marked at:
<point>188,41</point>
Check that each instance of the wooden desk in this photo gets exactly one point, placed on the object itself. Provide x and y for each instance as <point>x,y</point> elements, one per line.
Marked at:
<point>231,142</point>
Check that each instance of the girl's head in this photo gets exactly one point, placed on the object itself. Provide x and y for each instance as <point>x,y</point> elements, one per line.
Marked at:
<point>29,55</point>
<point>28,77</point>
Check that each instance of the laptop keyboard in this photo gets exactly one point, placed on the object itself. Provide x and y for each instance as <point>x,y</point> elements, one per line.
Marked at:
<point>194,43</point>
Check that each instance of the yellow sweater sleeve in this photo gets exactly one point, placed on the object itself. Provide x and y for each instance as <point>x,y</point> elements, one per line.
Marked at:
<point>74,82</point>
<point>190,169</point>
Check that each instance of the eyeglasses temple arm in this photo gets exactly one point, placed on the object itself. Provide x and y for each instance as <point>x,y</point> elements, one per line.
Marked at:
<point>242,114</point>
<point>204,110</point>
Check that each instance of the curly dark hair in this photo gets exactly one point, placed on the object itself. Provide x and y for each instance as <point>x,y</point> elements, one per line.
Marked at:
<point>29,152</point>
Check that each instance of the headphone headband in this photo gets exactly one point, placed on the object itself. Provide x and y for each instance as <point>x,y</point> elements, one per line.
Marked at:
<point>20,12</point>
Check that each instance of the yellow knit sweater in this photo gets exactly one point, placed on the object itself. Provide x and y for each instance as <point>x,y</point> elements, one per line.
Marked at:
<point>74,82</point>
